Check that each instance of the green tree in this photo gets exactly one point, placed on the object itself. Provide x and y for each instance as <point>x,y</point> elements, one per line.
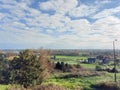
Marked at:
<point>62,66</point>
<point>26,69</point>
<point>4,71</point>
<point>58,65</point>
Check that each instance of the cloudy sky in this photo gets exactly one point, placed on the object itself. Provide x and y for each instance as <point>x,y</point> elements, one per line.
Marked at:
<point>59,24</point>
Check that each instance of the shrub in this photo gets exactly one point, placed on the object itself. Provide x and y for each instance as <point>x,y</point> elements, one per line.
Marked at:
<point>28,69</point>
<point>63,67</point>
<point>4,72</point>
<point>58,65</point>
<point>98,68</point>
<point>113,70</point>
<point>106,86</point>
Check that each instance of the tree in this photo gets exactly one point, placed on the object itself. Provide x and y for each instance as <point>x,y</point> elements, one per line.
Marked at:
<point>46,64</point>
<point>26,69</point>
<point>4,71</point>
<point>62,66</point>
<point>44,58</point>
<point>58,65</point>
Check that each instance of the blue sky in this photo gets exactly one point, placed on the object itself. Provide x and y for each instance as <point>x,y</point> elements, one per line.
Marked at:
<point>59,24</point>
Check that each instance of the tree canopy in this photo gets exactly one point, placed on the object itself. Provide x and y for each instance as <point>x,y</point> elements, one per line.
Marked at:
<point>26,69</point>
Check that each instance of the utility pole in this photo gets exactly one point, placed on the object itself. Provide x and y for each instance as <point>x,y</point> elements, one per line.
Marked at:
<point>114,56</point>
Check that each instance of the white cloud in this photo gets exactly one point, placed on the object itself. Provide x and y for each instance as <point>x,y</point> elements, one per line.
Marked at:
<point>107,25</point>
<point>59,6</point>
<point>81,26</point>
<point>57,31</point>
<point>106,30</point>
<point>1,16</point>
<point>100,34</point>
<point>68,6</point>
<point>107,12</point>
<point>82,11</point>
<point>30,38</point>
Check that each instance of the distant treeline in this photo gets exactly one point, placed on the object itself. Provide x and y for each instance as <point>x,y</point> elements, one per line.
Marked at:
<point>65,52</point>
<point>83,52</point>
<point>71,52</point>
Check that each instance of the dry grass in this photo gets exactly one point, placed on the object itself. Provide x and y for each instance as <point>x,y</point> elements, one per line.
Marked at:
<point>107,86</point>
<point>48,87</point>
<point>39,87</point>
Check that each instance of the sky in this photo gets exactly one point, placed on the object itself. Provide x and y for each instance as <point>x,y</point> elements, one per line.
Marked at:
<point>59,24</point>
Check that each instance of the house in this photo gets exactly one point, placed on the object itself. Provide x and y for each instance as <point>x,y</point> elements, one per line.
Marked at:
<point>91,60</point>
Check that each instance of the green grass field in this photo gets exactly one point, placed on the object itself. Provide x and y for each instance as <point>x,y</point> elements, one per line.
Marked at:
<point>4,87</point>
<point>69,59</point>
<point>88,66</point>
<point>83,82</point>
<point>73,82</point>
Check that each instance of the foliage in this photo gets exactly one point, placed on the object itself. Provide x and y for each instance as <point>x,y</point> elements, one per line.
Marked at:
<point>100,57</point>
<point>65,52</point>
<point>113,70</point>
<point>74,73</point>
<point>44,58</point>
<point>26,70</point>
<point>98,68</point>
<point>63,67</point>
<point>4,71</point>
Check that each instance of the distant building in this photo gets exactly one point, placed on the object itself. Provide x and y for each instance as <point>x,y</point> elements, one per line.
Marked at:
<point>105,60</point>
<point>91,60</point>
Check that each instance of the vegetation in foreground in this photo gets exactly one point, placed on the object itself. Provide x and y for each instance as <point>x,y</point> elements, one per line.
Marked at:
<point>30,71</point>
<point>4,87</point>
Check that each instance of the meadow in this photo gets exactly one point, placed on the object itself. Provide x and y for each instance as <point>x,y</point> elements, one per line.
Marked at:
<point>83,82</point>
<point>69,59</point>
<point>74,60</point>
